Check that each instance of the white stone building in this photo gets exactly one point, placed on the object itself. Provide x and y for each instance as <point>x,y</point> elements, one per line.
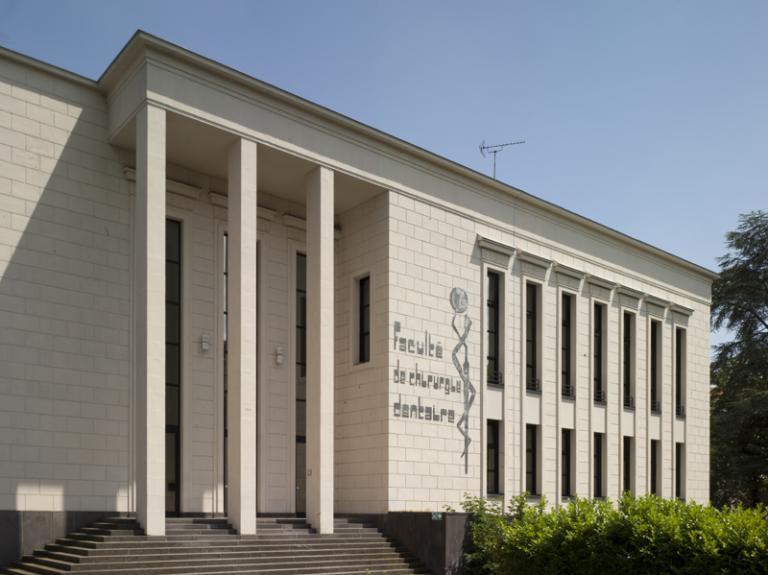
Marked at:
<point>398,330</point>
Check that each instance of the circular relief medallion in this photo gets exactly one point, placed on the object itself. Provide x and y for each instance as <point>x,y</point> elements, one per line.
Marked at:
<point>458,300</point>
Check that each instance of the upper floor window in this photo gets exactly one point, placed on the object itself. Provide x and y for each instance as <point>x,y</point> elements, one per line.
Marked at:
<point>680,352</point>
<point>598,356</point>
<point>655,366</point>
<point>493,335</point>
<point>566,346</point>
<point>628,360</point>
<point>532,382</point>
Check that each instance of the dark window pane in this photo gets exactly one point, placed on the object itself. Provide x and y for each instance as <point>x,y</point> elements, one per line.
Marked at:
<point>492,457</point>
<point>171,405</point>
<point>301,309</point>
<point>301,272</point>
<point>363,320</point>
<point>598,465</point>
<point>172,282</point>
<point>654,466</point>
<point>301,418</point>
<point>627,464</point>
<point>173,240</point>
<point>172,323</point>
<point>531,459</point>
<point>170,457</point>
<point>172,365</point>
<point>365,344</point>
<point>566,463</point>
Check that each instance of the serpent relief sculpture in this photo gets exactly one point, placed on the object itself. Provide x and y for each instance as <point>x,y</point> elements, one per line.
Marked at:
<point>459,304</point>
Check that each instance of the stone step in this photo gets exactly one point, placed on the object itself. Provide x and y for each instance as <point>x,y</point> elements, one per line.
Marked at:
<point>108,531</point>
<point>197,521</point>
<point>96,542</point>
<point>396,571</point>
<point>322,545</point>
<point>210,546</point>
<point>279,566</point>
<point>198,526</point>
<point>215,553</point>
<point>205,562</point>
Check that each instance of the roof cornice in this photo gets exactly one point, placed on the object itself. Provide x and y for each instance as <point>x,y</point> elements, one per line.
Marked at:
<point>31,62</point>
<point>142,41</point>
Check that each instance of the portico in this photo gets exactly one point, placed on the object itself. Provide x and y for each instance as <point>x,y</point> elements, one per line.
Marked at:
<point>150,290</point>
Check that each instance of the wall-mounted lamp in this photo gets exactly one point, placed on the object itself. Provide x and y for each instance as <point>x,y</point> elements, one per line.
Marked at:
<point>205,342</point>
<point>279,355</point>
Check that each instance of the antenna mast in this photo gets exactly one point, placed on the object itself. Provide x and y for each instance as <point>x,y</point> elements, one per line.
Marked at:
<point>495,149</point>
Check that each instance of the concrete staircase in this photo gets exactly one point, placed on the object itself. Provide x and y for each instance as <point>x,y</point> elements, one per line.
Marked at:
<point>209,546</point>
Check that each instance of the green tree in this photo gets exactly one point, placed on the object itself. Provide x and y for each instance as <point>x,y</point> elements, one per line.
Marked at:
<point>740,367</point>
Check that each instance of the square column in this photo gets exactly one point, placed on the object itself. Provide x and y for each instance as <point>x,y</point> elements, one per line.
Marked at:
<point>320,349</point>
<point>149,312</point>
<point>241,337</point>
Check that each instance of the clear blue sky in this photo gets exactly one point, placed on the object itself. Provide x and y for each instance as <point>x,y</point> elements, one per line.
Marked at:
<point>650,117</point>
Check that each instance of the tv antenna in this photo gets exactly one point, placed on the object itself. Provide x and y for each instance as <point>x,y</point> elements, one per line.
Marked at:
<point>495,149</point>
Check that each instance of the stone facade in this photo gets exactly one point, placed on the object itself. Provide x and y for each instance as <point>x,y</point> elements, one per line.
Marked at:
<point>72,294</point>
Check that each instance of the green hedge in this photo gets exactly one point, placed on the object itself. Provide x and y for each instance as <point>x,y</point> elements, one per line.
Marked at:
<point>645,535</point>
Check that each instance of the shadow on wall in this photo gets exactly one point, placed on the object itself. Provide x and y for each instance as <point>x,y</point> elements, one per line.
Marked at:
<point>64,311</point>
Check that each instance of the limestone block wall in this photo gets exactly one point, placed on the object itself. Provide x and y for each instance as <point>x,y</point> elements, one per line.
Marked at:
<point>434,248</point>
<point>431,253</point>
<point>362,423</point>
<point>64,298</point>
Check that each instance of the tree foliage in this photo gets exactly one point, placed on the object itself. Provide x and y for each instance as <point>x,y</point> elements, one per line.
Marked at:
<point>740,367</point>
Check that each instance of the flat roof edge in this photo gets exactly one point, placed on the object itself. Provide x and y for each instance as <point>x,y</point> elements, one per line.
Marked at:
<point>142,37</point>
<point>48,68</point>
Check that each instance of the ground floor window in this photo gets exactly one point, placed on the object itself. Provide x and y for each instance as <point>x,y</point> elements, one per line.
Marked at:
<point>567,463</point>
<point>680,470</point>
<point>598,487</point>
<point>301,381</point>
<point>493,458</point>
<point>655,466</point>
<point>531,459</point>
<point>627,463</point>
<point>172,365</point>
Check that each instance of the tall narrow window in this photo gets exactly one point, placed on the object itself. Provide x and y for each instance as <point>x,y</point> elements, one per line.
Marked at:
<point>655,366</point>
<point>531,459</point>
<point>628,463</point>
<point>680,372</point>
<point>172,366</point>
<point>492,457</point>
<point>566,343</point>
<point>567,463</point>
<point>655,466</point>
<point>597,466</point>
<point>531,337</point>
<point>493,369</point>
<point>629,400</point>
<point>680,470</point>
<point>301,382</point>
<point>364,319</point>
<point>597,353</point>
<point>225,379</point>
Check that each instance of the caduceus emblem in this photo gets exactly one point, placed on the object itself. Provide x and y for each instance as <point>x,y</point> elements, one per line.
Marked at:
<point>459,304</point>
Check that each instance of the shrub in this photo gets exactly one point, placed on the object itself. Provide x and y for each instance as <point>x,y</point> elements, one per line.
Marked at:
<point>637,536</point>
